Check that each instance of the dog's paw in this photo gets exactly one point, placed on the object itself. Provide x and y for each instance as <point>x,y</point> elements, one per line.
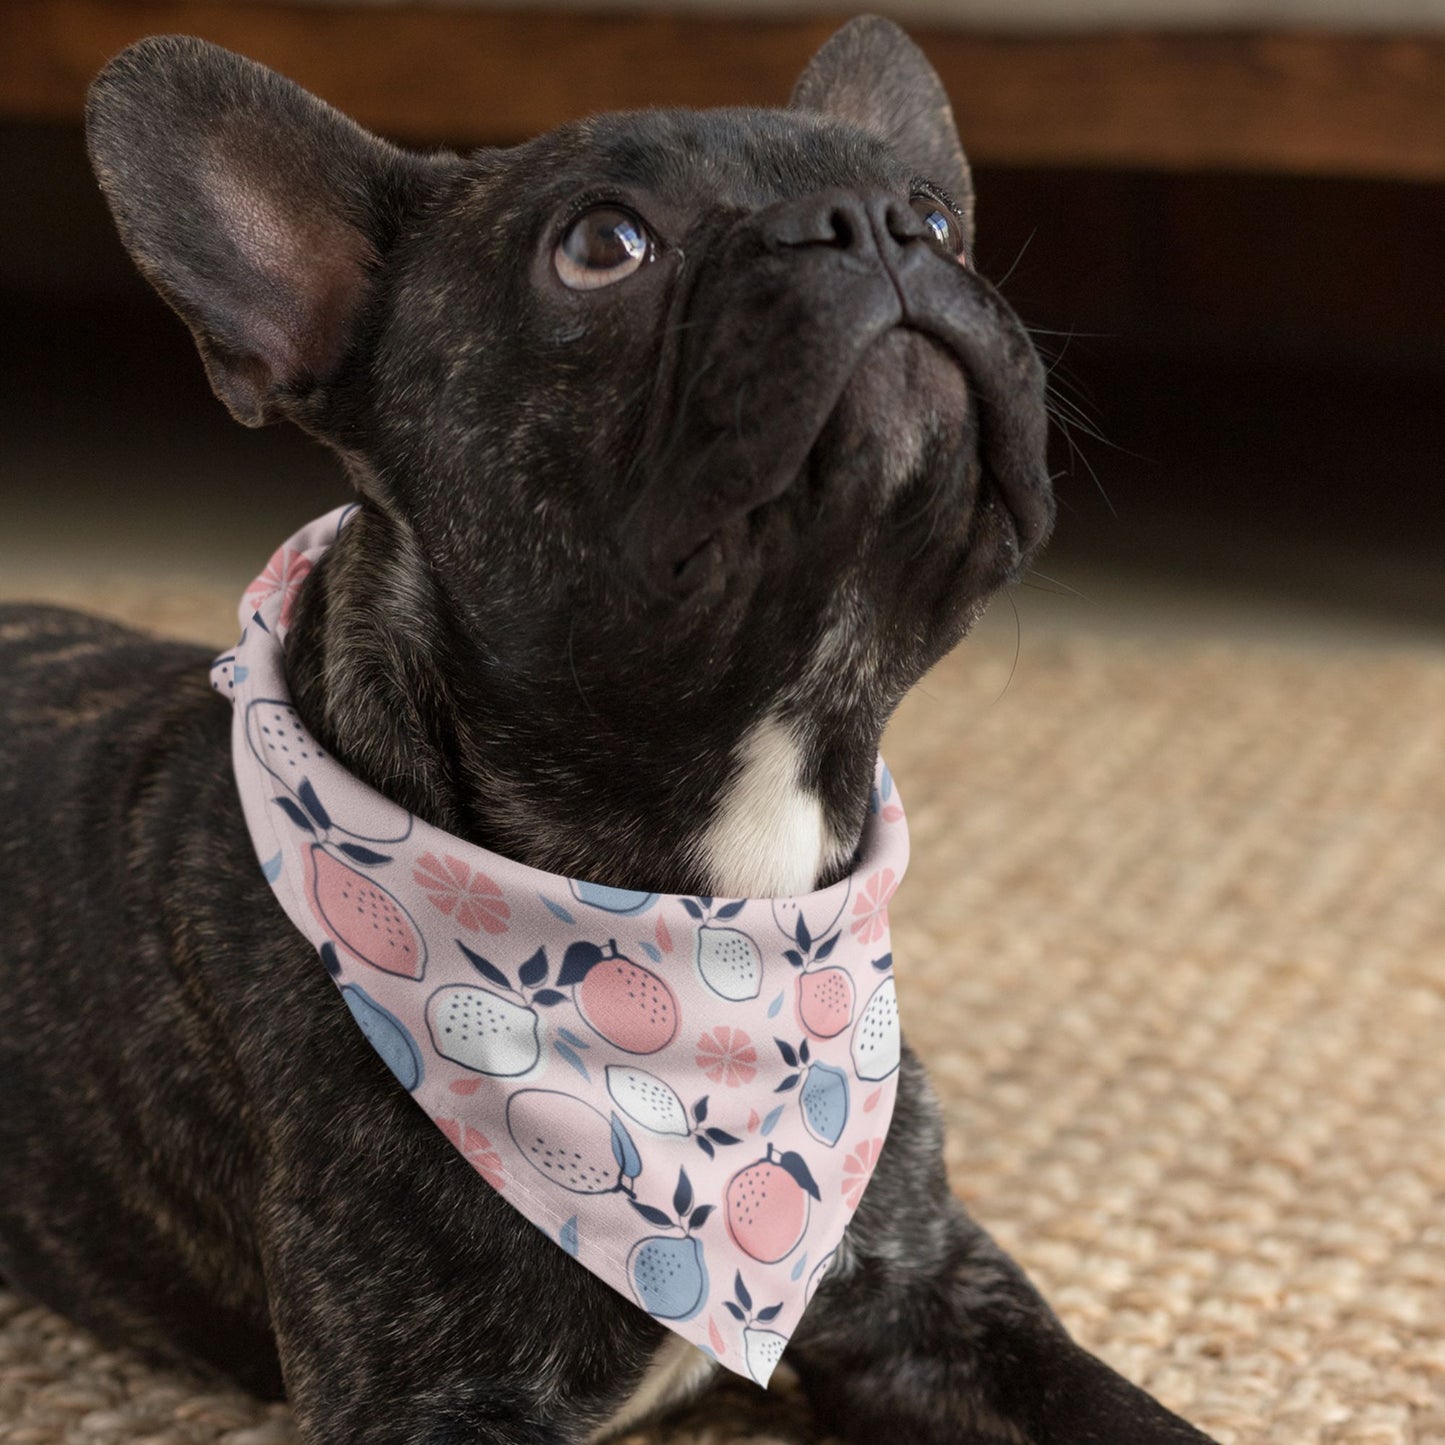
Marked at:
<point>734,1412</point>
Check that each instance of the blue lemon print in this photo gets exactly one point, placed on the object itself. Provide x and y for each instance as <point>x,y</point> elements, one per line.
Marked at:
<point>386,1035</point>
<point>825,1103</point>
<point>612,900</point>
<point>669,1276</point>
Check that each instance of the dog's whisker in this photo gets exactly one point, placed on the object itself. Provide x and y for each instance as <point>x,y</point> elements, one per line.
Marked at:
<point>1082,459</point>
<point>1028,241</point>
<point>1056,587</point>
<point>1018,651</point>
<point>572,667</point>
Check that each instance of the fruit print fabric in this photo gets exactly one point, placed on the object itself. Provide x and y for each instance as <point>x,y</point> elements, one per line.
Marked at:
<point>688,1095</point>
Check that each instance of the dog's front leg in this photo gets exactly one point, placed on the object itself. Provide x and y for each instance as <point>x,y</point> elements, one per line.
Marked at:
<point>412,1306</point>
<point>926,1332</point>
<point>355,1377</point>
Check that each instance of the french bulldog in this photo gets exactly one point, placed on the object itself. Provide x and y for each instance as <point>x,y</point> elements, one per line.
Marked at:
<point>684,443</point>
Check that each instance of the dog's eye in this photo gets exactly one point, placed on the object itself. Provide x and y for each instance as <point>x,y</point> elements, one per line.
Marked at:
<point>947,234</point>
<point>602,246</point>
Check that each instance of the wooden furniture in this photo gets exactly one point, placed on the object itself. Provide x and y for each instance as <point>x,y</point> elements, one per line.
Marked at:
<point>1301,102</point>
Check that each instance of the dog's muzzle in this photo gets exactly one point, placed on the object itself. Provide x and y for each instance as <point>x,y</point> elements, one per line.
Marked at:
<point>803,290</point>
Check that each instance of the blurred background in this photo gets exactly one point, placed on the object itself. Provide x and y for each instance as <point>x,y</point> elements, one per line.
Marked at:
<point>1175,925</point>
<point>1225,218</point>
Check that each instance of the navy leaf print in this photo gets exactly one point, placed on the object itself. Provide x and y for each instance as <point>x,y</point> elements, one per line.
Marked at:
<point>295,814</point>
<point>577,963</point>
<point>534,971</point>
<point>797,1166</point>
<point>741,1290</point>
<point>488,971</point>
<point>313,803</point>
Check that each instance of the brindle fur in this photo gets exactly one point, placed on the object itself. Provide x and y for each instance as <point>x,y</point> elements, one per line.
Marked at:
<point>582,569</point>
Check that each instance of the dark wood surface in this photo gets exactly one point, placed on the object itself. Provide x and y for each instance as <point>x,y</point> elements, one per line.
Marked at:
<point>1304,103</point>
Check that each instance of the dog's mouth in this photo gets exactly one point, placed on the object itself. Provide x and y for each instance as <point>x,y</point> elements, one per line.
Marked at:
<point>873,441</point>
<point>926,369</point>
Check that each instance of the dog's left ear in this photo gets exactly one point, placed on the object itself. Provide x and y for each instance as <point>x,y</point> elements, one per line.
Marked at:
<point>257,211</point>
<point>872,75</point>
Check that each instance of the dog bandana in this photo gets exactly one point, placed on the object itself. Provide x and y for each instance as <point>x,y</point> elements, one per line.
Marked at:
<point>686,1094</point>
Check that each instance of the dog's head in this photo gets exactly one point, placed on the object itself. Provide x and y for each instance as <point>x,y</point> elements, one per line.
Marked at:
<point>669,426</point>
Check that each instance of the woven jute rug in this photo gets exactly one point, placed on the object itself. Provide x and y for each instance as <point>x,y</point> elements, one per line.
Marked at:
<point>1173,942</point>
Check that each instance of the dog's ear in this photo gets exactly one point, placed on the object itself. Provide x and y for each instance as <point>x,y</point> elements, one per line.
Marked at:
<point>872,75</point>
<point>255,209</point>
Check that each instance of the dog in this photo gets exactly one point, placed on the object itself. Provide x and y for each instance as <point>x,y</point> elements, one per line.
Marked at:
<point>683,443</point>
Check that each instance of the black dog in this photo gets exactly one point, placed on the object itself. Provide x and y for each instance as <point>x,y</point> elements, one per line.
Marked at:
<point>685,443</point>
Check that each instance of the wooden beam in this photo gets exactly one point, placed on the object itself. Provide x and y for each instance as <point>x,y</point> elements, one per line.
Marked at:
<point>1306,103</point>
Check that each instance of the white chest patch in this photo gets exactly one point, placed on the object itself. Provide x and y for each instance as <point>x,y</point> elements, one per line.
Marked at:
<point>768,839</point>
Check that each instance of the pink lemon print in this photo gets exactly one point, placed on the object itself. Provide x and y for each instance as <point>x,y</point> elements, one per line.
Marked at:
<point>624,1003</point>
<point>767,1206</point>
<point>825,1002</point>
<point>363,917</point>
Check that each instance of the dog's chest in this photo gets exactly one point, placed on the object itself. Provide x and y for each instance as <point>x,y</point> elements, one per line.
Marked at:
<point>768,837</point>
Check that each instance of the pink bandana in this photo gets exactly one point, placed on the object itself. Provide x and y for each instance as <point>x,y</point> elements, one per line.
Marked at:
<point>687,1094</point>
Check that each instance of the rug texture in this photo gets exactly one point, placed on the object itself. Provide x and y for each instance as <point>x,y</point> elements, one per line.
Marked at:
<point>1173,944</point>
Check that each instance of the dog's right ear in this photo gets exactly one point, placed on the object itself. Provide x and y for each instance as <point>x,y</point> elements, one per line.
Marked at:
<point>872,75</point>
<point>255,209</point>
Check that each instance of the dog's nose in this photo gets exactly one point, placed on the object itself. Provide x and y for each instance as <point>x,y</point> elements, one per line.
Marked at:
<point>861,223</point>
